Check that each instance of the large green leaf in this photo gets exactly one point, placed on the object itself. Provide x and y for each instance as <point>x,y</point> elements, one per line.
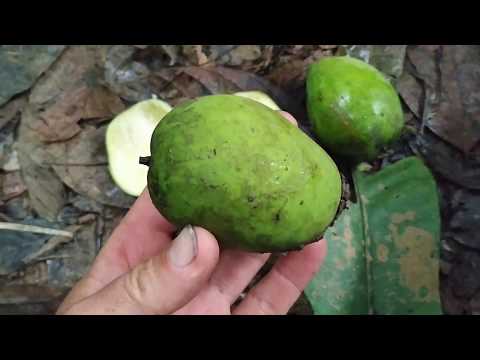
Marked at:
<point>383,251</point>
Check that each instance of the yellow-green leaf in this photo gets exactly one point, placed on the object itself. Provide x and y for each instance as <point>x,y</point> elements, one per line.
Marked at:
<point>384,250</point>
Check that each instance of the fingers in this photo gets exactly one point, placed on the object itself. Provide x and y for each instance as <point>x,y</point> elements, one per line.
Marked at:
<point>142,233</point>
<point>280,288</point>
<point>289,117</point>
<point>162,284</point>
<point>232,275</point>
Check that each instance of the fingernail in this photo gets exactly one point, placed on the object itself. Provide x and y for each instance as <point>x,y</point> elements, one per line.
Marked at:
<point>184,247</point>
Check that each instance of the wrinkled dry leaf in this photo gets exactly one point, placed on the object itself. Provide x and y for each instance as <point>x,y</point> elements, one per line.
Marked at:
<point>74,259</point>
<point>389,59</point>
<point>11,162</point>
<point>12,186</point>
<point>246,57</point>
<point>60,121</point>
<point>124,76</point>
<point>81,163</point>
<point>6,145</point>
<point>411,92</point>
<point>11,109</point>
<point>32,274</point>
<point>172,51</point>
<point>215,83</point>
<point>15,246</point>
<point>70,70</point>
<point>221,80</point>
<point>70,215</point>
<point>452,104</point>
<point>219,54</point>
<point>248,81</point>
<point>194,54</point>
<point>166,80</point>
<point>29,299</point>
<point>40,287</point>
<point>84,204</point>
<point>22,64</point>
<point>50,245</point>
<point>290,75</point>
<point>464,221</point>
<point>465,275</point>
<point>46,191</point>
<point>244,53</point>
<point>69,92</point>
<point>17,209</point>
<point>448,161</point>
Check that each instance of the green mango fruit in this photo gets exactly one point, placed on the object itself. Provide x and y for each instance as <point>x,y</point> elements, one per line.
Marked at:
<point>354,110</point>
<point>240,170</point>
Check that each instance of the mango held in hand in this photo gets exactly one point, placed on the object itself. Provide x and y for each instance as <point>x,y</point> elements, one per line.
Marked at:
<point>354,110</point>
<point>243,172</point>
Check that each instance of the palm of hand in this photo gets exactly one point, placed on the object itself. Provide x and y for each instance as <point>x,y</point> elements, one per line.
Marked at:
<point>133,273</point>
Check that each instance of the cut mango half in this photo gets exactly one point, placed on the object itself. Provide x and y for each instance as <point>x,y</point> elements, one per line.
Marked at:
<point>128,138</point>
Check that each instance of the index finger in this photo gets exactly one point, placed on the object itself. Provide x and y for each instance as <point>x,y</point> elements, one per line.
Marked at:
<point>282,286</point>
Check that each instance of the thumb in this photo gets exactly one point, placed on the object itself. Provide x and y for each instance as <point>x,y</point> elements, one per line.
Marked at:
<point>162,284</point>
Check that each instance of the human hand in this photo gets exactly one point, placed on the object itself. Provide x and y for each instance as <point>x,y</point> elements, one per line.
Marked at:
<point>141,270</point>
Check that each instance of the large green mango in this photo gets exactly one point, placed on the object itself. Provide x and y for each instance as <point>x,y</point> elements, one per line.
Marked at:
<point>354,110</point>
<point>243,172</point>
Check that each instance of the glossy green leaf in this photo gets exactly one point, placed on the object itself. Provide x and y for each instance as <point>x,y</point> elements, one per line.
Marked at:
<point>383,253</point>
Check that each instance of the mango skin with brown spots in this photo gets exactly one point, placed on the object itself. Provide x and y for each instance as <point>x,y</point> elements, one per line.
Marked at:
<point>354,109</point>
<point>240,170</point>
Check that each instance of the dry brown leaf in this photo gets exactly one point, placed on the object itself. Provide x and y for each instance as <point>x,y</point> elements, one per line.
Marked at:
<point>21,65</point>
<point>172,51</point>
<point>290,75</point>
<point>81,163</point>
<point>32,274</point>
<point>18,294</point>
<point>195,81</point>
<point>166,80</point>
<point>60,121</point>
<point>71,68</point>
<point>452,105</point>
<point>12,186</point>
<point>70,262</point>
<point>11,109</point>
<point>244,53</point>
<point>126,77</point>
<point>46,192</point>
<point>411,92</point>
<point>248,81</point>
<point>201,57</point>
<point>11,162</point>
<point>213,81</point>
<point>51,244</point>
<point>251,58</point>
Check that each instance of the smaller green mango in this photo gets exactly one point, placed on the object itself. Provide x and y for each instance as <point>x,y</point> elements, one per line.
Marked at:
<point>240,170</point>
<point>354,110</point>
